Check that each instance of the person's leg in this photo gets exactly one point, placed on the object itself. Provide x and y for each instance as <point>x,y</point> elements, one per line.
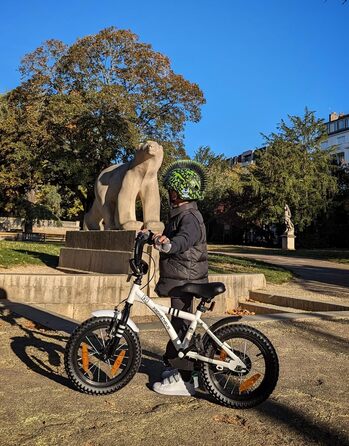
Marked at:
<point>178,383</point>
<point>185,367</point>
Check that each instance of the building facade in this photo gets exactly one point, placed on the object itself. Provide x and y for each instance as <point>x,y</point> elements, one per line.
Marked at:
<point>243,160</point>
<point>338,137</point>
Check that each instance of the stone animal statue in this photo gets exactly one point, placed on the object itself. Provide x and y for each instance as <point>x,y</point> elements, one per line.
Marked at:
<point>118,187</point>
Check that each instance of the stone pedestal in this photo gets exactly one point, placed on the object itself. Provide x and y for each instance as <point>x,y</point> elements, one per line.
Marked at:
<point>105,252</point>
<point>288,242</point>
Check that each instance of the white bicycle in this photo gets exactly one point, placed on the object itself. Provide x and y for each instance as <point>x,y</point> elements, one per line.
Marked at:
<point>238,364</point>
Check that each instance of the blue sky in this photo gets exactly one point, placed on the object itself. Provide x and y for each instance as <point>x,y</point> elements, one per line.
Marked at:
<point>256,61</point>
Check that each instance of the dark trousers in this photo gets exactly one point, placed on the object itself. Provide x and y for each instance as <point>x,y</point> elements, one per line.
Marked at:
<point>181,326</point>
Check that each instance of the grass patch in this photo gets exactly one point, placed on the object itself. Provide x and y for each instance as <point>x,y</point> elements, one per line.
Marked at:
<point>26,253</point>
<point>221,264</point>
<point>332,255</point>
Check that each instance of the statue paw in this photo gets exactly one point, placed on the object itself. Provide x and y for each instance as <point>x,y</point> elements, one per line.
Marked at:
<point>132,226</point>
<point>155,226</point>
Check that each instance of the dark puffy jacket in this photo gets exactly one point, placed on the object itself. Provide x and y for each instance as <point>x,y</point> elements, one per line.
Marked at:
<point>187,259</point>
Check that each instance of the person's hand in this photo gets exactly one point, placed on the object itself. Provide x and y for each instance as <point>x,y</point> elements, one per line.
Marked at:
<point>162,243</point>
<point>160,239</point>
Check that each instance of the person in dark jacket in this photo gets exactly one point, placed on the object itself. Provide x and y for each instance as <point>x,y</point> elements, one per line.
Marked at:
<point>183,259</point>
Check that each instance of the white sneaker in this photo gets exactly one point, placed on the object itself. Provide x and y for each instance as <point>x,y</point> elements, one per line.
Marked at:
<point>169,371</point>
<point>174,385</point>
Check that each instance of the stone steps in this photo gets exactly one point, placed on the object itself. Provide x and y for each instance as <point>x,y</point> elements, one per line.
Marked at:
<point>266,303</point>
<point>262,308</point>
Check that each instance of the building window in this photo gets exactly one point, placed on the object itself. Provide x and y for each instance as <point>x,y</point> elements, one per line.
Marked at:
<point>333,127</point>
<point>340,157</point>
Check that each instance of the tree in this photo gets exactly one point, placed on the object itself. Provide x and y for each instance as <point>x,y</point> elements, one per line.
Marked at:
<point>223,182</point>
<point>331,227</point>
<point>20,171</point>
<point>89,104</point>
<point>292,169</point>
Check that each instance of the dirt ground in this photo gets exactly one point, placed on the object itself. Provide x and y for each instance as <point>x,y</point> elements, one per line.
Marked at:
<point>310,405</point>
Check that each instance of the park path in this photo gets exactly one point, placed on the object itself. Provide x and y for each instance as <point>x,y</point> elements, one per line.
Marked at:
<point>313,275</point>
<point>309,406</point>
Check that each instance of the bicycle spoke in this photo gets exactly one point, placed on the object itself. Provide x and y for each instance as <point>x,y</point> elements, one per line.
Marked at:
<point>226,381</point>
<point>119,347</point>
<point>256,360</point>
<point>102,337</point>
<point>233,388</point>
<point>94,348</point>
<point>258,371</point>
<point>230,382</point>
<point>245,351</point>
<point>89,371</point>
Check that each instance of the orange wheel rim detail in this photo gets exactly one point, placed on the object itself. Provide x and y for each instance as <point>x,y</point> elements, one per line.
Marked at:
<point>118,362</point>
<point>248,383</point>
<point>84,356</point>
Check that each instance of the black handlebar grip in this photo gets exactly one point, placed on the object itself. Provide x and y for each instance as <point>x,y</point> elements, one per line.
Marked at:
<point>141,239</point>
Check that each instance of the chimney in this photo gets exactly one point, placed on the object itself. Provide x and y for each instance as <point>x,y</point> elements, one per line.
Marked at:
<point>333,117</point>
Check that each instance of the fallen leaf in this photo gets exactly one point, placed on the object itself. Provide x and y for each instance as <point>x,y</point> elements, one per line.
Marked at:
<point>34,325</point>
<point>29,324</point>
<point>240,312</point>
<point>230,419</point>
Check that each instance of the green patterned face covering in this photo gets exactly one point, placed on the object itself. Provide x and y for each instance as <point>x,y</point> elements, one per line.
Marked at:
<point>187,178</point>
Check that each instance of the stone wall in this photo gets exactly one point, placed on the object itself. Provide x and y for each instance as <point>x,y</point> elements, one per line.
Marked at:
<point>76,295</point>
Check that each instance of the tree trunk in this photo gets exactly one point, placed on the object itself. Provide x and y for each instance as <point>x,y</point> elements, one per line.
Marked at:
<point>29,215</point>
<point>86,202</point>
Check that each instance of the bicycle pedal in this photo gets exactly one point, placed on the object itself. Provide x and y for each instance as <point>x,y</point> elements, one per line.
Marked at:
<point>195,377</point>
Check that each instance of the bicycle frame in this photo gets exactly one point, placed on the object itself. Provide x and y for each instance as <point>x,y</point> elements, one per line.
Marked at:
<point>136,294</point>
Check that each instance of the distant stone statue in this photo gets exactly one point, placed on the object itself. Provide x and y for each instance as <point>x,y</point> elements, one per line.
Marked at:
<point>289,225</point>
<point>118,187</point>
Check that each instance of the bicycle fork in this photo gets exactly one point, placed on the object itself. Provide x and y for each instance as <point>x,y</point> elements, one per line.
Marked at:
<point>116,331</point>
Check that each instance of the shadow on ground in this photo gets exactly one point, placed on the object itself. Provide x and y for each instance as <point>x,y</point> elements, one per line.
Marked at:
<point>48,259</point>
<point>29,348</point>
<point>312,430</point>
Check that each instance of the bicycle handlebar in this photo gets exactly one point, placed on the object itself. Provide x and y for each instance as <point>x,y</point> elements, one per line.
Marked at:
<point>141,239</point>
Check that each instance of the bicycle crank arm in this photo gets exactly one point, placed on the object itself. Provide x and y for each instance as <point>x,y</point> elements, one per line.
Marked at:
<point>231,365</point>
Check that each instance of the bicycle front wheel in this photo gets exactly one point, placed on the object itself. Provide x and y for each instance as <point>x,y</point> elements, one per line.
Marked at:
<point>248,387</point>
<point>84,363</point>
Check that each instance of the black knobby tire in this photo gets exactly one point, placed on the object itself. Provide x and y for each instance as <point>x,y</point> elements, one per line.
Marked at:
<point>216,381</point>
<point>99,379</point>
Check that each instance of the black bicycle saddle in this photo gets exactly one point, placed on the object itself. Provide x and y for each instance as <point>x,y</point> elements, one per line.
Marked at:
<point>206,291</point>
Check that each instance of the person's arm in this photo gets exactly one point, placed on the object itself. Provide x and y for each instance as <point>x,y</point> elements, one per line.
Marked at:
<point>188,233</point>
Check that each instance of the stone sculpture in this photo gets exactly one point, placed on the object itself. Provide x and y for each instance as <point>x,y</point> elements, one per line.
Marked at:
<point>288,237</point>
<point>287,218</point>
<point>118,187</point>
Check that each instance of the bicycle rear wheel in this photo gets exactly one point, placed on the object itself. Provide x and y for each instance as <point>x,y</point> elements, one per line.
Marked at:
<point>248,387</point>
<point>88,370</point>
